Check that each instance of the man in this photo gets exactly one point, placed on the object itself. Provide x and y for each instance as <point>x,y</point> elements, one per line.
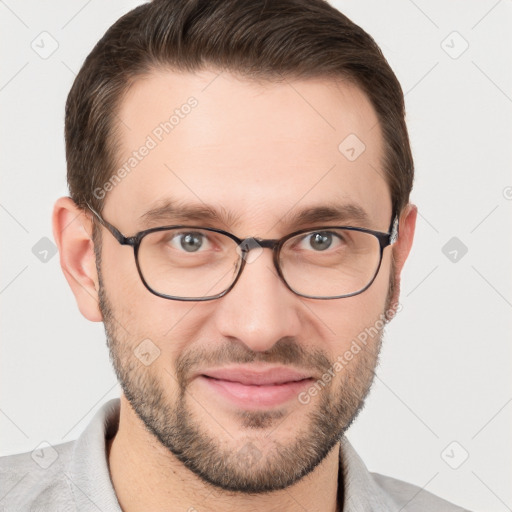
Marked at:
<point>239,215</point>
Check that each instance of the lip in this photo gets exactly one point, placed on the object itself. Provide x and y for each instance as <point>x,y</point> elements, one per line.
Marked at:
<point>255,388</point>
<point>254,376</point>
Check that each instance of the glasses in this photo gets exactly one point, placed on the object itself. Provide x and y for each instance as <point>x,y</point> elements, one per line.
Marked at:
<point>191,263</point>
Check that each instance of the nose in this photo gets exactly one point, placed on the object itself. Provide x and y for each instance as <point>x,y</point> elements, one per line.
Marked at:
<point>259,310</point>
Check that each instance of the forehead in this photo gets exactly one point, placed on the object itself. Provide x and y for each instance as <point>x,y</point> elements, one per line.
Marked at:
<point>258,150</point>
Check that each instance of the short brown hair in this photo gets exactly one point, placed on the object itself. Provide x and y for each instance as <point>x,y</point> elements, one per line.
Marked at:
<point>259,40</point>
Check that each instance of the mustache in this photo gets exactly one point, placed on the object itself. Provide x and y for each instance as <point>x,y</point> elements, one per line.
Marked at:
<point>285,351</point>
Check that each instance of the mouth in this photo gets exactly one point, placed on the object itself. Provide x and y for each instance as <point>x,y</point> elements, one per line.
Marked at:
<point>252,388</point>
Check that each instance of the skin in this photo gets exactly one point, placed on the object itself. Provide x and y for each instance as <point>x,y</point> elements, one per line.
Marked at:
<point>260,150</point>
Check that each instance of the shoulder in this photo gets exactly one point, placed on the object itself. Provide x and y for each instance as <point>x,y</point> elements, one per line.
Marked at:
<point>365,490</point>
<point>37,480</point>
<point>411,498</point>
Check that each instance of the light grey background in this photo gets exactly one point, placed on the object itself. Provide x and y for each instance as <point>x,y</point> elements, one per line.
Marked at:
<point>445,368</point>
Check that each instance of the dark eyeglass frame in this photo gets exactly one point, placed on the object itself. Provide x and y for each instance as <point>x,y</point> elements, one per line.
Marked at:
<point>245,245</point>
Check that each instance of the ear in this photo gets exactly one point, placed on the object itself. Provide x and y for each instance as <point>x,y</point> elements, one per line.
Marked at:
<point>402,247</point>
<point>72,230</point>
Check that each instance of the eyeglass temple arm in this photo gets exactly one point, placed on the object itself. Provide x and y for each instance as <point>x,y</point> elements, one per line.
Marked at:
<point>123,240</point>
<point>393,230</point>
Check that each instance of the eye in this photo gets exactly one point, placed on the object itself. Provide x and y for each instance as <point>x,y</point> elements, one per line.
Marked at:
<point>320,241</point>
<point>191,241</point>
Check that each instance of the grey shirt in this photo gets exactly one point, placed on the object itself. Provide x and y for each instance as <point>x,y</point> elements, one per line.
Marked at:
<point>74,476</point>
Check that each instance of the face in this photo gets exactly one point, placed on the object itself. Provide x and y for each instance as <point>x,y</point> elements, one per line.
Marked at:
<point>245,390</point>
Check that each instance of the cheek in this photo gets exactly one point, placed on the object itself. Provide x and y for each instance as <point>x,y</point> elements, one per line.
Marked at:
<point>138,313</point>
<point>342,320</point>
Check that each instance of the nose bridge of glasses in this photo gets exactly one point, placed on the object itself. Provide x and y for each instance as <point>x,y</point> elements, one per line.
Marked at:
<point>257,243</point>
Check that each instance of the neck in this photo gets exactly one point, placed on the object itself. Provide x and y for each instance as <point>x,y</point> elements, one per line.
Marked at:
<point>147,476</point>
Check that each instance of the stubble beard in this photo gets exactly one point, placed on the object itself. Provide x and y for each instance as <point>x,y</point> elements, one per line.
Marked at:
<point>247,465</point>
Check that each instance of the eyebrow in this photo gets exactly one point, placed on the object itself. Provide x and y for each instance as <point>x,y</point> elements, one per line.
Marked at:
<point>170,212</point>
